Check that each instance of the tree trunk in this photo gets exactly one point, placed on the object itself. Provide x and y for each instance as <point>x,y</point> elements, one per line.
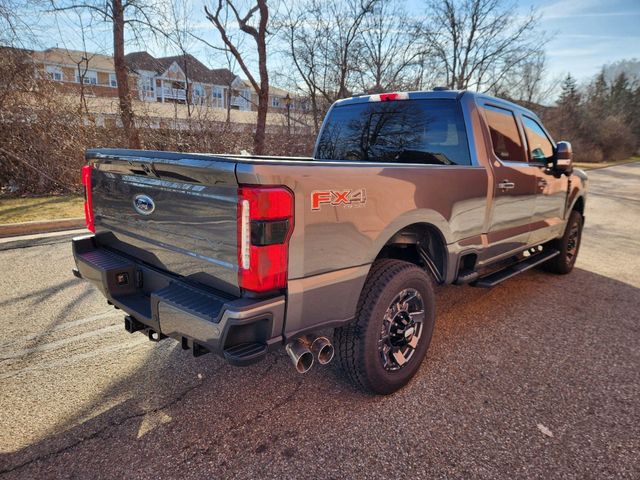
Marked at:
<point>263,93</point>
<point>122,77</point>
<point>261,124</point>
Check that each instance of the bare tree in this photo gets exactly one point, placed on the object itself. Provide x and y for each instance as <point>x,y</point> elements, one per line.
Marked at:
<point>529,82</point>
<point>479,42</point>
<point>259,34</point>
<point>16,23</point>
<point>82,67</point>
<point>325,44</point>
<point>176,29</point>
<point>231,64</point>
<point>389,49</point>
<point>120,14</point>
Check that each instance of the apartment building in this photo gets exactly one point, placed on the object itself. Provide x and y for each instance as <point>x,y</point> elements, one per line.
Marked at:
<point>177,79</point>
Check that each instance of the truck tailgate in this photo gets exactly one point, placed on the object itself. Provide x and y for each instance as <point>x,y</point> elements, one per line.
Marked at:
<point>176,212</point>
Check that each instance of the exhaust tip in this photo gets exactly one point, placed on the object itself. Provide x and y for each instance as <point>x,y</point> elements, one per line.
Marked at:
<point>300,355</point>
<point>305,363</point>
<point>323,350</point>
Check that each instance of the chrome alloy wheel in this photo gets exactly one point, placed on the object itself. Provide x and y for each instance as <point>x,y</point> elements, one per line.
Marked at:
<point>401,329</point>
<point>573,241</point>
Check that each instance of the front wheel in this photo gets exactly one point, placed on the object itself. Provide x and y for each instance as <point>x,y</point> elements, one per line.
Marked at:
<point>568,245</point>
<point>382,349</point>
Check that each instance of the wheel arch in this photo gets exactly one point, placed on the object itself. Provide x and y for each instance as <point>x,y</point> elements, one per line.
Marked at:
<point>421,243</point>
<point>578,205</point>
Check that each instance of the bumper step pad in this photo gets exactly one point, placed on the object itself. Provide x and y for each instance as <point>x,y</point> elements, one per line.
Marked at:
<point>245,353</point>
<point>191,300</point>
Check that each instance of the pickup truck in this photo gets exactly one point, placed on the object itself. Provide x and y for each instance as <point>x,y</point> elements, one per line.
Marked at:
<point>240,255</point>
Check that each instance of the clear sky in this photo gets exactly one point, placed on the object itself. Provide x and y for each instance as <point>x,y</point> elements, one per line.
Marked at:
<point>585,34</point>
<point>589,33</point>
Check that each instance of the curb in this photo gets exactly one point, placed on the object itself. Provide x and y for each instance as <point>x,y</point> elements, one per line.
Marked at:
<point>40,226</point>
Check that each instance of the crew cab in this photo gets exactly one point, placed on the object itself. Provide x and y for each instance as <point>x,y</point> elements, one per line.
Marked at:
<point>240,255</point>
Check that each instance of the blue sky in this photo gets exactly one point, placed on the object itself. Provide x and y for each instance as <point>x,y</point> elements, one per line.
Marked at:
<point>589,33</point>
<point>585,34</point>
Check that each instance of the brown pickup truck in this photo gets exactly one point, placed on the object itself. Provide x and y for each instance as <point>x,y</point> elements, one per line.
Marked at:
<point>240,255</point>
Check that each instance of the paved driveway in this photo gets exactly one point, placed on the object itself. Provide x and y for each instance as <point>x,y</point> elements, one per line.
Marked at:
<point>80,397</point>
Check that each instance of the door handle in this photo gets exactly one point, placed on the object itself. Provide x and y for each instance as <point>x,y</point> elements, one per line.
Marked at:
<point>506,185</point>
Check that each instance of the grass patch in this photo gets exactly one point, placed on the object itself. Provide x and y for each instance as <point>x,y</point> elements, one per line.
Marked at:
<point>15,210</point>
<point>592,166</point>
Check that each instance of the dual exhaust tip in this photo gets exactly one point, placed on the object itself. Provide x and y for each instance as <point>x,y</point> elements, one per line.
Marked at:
<point>302,352</point>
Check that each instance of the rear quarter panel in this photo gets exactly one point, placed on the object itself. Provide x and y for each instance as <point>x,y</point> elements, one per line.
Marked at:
<point>451,198</point>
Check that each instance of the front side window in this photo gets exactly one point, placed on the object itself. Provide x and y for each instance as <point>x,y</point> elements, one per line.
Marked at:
<point>505,137</point>
<point>540,147</point>
<point>428,131</point>
<point>113,81</point>
<point>275,102</point>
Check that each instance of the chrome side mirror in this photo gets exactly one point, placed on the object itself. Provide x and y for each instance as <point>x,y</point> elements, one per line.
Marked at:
<point>563,161</point>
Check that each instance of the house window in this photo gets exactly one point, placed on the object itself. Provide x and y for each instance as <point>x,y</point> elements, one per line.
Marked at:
<point>218,97</point>
<point>146,83</point>
<point>246,96</point>
<point>275,102</point>
<point>113,81</point>
<point>198,90</point>
<point>90,77</point>
<point>198,93</point>
<point>54,73</point>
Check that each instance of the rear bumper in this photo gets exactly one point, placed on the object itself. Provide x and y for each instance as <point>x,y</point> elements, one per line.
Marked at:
<point>239,329</point>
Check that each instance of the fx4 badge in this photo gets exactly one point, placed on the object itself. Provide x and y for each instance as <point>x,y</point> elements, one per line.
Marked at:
<point>336,198</point>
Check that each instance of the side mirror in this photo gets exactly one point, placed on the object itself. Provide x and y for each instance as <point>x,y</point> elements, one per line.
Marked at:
<point>563,161</point>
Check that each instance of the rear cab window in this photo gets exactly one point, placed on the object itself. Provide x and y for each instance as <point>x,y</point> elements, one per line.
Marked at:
<point>418,131</point>
<point>540,146</point>
<point>505,137</point>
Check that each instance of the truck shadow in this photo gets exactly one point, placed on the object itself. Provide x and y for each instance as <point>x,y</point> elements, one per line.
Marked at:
<point>174,409</point>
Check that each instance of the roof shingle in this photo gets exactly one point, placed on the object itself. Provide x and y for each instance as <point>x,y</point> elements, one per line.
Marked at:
<point>194,69</point>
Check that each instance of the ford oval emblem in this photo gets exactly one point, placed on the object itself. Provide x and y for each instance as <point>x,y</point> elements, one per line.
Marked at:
<point>144,204</point>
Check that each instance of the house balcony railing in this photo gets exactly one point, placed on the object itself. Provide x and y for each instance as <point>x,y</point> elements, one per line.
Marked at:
<point>174,93</point>
<point>240,102</point>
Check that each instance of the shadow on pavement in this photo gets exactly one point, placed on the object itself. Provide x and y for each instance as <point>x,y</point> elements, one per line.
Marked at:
<point>177,412</point>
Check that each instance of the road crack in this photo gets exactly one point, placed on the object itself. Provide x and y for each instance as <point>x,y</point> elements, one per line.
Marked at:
<point>99,432</point>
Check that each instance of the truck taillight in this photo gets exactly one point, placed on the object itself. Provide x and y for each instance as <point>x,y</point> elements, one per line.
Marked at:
<point>265,224</point>
<point>88,203</point>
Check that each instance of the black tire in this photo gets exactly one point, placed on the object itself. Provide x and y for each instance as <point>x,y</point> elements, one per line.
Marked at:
<point>568,245</point>
<point>361,344</point>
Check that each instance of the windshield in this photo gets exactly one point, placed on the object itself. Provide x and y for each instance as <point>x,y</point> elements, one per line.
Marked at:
<point>405,131</point>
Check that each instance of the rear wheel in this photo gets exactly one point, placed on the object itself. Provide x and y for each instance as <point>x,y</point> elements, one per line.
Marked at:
<point>382,349</point>
<point>568,245</point>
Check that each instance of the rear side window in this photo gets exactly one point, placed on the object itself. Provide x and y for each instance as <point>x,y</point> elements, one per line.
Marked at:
<point>505,138</point>
<point>540,147</point>
<point>404,131</point>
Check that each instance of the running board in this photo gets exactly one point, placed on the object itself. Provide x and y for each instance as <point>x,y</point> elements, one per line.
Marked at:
<point>511,271</point>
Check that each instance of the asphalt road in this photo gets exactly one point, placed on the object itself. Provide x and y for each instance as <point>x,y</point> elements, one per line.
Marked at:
<point>82,398</point>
